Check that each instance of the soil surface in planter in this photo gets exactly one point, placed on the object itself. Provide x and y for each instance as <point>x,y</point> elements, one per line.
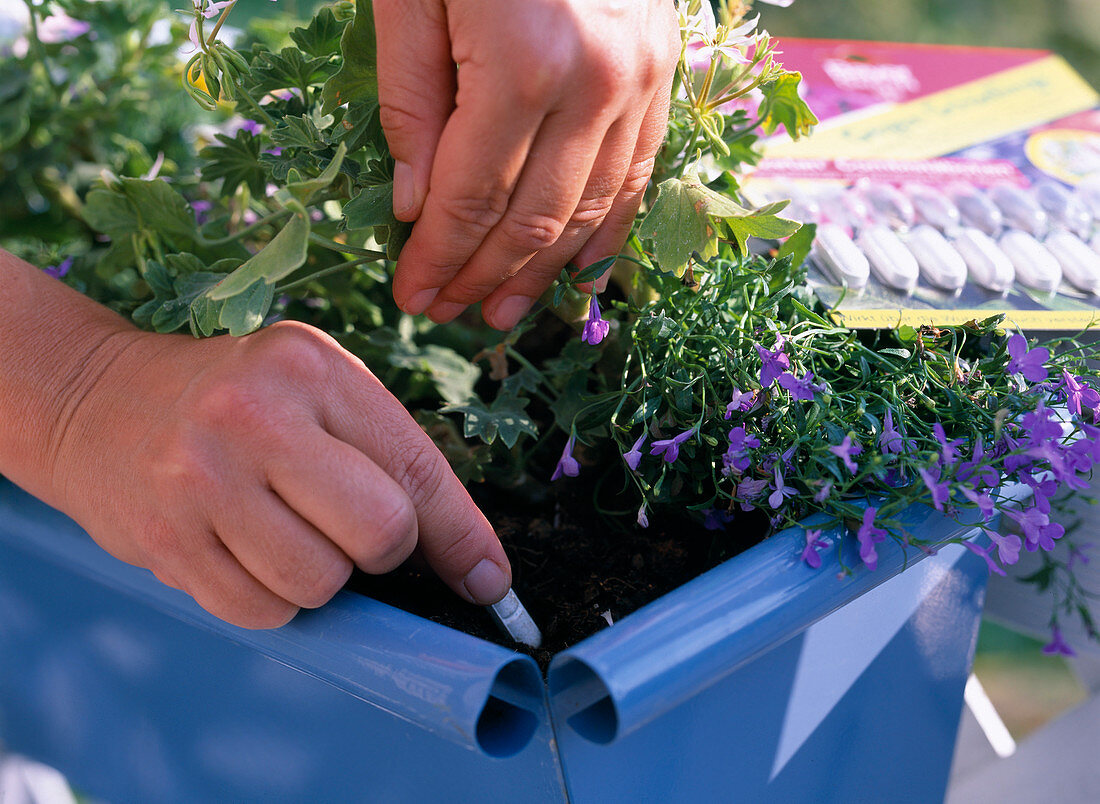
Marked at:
<point>569,567</point>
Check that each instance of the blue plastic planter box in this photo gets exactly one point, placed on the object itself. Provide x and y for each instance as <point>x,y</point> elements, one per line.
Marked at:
<point>762,680</point>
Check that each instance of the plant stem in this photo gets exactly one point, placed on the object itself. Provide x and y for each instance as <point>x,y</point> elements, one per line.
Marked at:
<point>252,227</point>
<point>218,25</point>
<point>323,273</point>
<point>343,248</point>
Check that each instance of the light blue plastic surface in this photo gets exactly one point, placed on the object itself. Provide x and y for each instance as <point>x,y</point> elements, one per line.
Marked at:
<point>762,680</point>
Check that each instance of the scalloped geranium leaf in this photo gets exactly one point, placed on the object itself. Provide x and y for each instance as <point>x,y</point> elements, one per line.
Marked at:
<point>322,36</point>
<point>505,417</point>
<point>357,79</point>
<point>783,106</point>
<point>684,221</point>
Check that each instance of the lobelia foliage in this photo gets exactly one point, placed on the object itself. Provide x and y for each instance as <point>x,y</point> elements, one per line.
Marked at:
<point>708,379</point>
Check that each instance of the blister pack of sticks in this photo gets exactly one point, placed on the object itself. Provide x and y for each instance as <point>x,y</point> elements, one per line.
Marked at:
<point>946,184</point>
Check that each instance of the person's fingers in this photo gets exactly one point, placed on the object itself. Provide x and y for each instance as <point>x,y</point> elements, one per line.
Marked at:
<point>197,562</point>
<point>510,301</point>
<point>416,91</point>
<point>348,497</point>
<point>573,173</point>
<point>616,226</point>
<point>283,551</point>
<point>479,159</point>
<point>454,536</point>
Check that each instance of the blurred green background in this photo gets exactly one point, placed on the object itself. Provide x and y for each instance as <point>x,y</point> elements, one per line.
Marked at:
<point>1068,27</point>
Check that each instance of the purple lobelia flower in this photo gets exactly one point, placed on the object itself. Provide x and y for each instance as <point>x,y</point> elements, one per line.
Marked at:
<point>1057,645</point>
<point>670,447</point>
<point>982,500</point>
<point>1038,530</point>
<point>1027,362</point>
<point>201,208</point>
<point>814,542</point>
<point>1077,394</point>
<point>1044,489</point>
<point>775,362</point>
<point>740,401</point>
<point>736,457</point>
<point>845,450</point>
<point>890,441</point>
<point>595,328</point>
<point>60,270</point>
<point>938,488</point>
<point>824,492</point>
<point>984,553</point>
<point>801,388</point>
<point>949,450</point>
<point>974,471</point>
<point>869,535</point>
<point>1008,546</point>
<point>643,520</point>
<point>749,490</point>
<point>782,490</point>
<point>567,464</point>
<point>634,456</point>
<point>1039,425</point>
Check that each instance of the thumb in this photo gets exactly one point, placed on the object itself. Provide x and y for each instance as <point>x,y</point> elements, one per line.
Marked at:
<point>416,92</point>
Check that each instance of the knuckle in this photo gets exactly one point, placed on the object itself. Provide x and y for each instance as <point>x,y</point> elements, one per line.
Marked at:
<point>227,404</point>
<point>465,551</point>
<point>479,213</point>
<point>400,121</point>
<point>178,466</point>
<point>531,231</point>
<point>317,583</point>
<point>297,350</point>
<point>393,535</point>
<point>637,176</point>
<point>591,211</point>
<point>422,470</point>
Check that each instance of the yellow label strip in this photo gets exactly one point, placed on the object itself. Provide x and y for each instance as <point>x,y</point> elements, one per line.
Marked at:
<point>944,122</point>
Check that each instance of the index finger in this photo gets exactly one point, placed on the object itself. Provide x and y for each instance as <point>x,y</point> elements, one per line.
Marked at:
<point>454,536</point>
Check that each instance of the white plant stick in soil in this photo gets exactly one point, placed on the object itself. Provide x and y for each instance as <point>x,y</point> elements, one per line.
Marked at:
<point>514,620</point>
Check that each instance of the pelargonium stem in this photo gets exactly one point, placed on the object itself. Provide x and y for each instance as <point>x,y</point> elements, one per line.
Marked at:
<point>218,25</point>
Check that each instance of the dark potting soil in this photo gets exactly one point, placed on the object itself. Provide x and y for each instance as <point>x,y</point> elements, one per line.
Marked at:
<point>569,566</point>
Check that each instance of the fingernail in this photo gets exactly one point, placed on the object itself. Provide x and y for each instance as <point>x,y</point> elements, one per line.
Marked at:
<point>511,310</point>
<point>420,301</point>
<point>404,195</point>
<point>486,583</point>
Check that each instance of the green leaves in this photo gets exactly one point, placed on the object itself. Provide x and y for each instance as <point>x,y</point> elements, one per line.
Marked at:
<point>321,38</point>
<point>783,106</point>
<point>236,161</point>
<point>357,79</point>
<point>373,206</point>
<point>287,69</point>
<point>504,418</point>
<point>282,256</point>
<point>151,209</point>
<point>688,217</point>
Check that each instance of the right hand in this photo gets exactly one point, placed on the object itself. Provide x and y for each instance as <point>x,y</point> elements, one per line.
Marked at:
<point>253,473</point>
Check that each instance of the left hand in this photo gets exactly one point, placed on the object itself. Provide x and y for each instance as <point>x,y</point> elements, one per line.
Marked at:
<point>535,151</point>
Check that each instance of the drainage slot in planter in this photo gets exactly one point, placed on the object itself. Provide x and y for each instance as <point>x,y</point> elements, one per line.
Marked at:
<point>581,699</point>
<point>508,720</point>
